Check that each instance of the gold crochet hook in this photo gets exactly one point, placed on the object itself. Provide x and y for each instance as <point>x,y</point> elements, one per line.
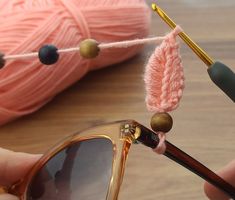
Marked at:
<point>198,51</point>
<point>219,73</point>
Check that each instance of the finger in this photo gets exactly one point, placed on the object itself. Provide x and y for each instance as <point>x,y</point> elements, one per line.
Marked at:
<point>14,166</point>
<point>228,174</point>
<point>8,197</point>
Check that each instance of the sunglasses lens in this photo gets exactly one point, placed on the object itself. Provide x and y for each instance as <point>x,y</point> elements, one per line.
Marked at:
<point>79,172</point>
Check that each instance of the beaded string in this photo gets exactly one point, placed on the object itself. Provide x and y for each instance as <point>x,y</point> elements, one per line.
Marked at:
<point>164,81</point>
<point>164,78</point>
<point>89,48</point>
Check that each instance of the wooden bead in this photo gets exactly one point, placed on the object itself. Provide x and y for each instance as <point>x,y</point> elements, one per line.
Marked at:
<point>89,48</point>
<point>161,122</point>
<point>48,54</point>
<point>2,60</point>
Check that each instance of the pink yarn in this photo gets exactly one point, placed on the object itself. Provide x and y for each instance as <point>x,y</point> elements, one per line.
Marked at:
<point>161,147</point>
<point>164,79</point>
<point>164,76</point>
<point>26,25</point>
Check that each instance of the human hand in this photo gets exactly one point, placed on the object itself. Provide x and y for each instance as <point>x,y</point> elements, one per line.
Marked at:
<point>13,167</point>
<point>227,173</point>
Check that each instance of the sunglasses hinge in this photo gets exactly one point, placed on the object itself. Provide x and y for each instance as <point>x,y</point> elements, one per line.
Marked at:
<point>147,137</point>
<point>139,134</point>
<point>131,131</point>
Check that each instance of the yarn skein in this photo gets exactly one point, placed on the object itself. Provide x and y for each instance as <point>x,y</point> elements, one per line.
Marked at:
<point>26,85</point>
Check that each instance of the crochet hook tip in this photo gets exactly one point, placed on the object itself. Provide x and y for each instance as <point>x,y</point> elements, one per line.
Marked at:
<point>161,13</point>
<point>154,6</point>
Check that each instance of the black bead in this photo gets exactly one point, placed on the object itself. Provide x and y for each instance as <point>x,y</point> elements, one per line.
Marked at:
<point>48,55</point>
<point>2,60</point>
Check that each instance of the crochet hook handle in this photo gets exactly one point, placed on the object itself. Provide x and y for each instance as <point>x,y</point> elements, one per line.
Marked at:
<point>224,78</point>
<point>219,73</point>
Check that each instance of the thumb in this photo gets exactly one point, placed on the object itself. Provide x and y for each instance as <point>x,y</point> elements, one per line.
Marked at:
<point>8,197</point>
<point>228,174</point>
<point>14,166</point>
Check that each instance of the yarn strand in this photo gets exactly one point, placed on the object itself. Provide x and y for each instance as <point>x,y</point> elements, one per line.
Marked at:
<point>161,147</point>
<point>102,46</point>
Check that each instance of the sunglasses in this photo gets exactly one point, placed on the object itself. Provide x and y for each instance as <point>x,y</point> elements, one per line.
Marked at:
<point>90,164</point>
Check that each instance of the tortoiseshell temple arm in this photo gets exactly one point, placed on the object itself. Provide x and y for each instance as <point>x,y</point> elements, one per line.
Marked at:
<point>150,139</point>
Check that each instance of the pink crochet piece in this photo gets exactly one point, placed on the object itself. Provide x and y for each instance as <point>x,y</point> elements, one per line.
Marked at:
<point>164,79</point>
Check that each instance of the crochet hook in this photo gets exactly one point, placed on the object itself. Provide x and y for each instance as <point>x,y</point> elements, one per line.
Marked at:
<point>219,73</point>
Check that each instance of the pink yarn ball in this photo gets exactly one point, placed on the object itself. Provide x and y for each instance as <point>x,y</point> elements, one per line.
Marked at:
<point>26,85</point>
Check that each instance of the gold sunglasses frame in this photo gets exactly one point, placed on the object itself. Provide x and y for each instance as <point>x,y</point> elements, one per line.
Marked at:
<point>122,134</point>
<point>121,145</point>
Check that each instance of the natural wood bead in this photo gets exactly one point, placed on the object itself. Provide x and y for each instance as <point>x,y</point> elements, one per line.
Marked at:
<point>89,48</point>
<point>161,122</point>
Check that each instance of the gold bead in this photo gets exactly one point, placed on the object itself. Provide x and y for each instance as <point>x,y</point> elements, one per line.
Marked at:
<point>89,48</point>
<point>161,122</point>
